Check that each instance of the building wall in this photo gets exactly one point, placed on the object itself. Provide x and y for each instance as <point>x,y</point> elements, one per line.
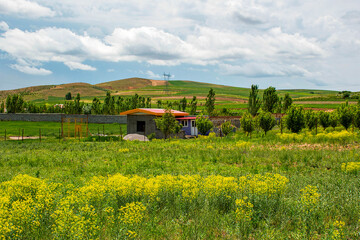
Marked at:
<point>150,125</point>
<point>187,130</point>
<point>56,117</point>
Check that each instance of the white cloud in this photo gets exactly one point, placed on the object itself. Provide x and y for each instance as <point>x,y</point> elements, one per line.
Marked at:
<point>4,26</point>
<point>31,70</point>
<point>254,70</point>
<point>80,66</point>
<point>147,44</point>
<point>251,37</point>
<point>152,75</point>
<point>24,8</point>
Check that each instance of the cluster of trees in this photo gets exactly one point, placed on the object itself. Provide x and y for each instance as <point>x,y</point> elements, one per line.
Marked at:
<point>111,105</point>
<point>297,119</point>
<point>270,102</point>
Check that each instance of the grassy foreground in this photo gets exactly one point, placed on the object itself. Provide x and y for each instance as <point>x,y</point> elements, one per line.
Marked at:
<point>275,187</point>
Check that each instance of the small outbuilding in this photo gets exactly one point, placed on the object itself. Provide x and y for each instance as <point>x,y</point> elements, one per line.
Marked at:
<point>142,120</point>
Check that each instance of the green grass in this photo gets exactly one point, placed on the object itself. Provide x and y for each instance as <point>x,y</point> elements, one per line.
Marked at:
<point>51,129</point>
<point>81,202</point>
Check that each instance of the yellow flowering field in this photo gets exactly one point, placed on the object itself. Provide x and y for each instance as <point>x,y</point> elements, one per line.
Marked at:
<point>205,188</point>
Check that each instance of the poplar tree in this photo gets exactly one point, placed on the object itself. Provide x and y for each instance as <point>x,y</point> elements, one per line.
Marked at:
<point>254,100</point>
<point>210,102</point>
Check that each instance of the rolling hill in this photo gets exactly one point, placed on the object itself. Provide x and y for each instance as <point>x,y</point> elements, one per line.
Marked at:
<point>157,89</point>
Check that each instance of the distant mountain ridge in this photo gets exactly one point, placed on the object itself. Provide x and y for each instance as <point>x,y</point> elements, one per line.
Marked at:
<point>146,87</point>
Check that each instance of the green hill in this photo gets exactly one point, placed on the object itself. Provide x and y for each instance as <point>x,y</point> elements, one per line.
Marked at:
<point>157,89</point>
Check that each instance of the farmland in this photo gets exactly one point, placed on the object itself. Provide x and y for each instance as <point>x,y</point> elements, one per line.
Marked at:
<point>278,186</point>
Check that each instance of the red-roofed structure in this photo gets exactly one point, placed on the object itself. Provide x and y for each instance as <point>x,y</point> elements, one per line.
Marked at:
<point>142,120</point>
<point>153,111</point>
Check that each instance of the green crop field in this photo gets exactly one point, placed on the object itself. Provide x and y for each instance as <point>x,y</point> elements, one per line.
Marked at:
<point>278,186</point>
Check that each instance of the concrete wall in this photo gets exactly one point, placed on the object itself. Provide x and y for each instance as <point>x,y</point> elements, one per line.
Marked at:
<point>56,117</point>
<point>150,126</point>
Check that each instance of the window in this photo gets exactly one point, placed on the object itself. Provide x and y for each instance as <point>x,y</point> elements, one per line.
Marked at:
<point>140,126</point>
<point>184,123</point>
<point>193,124</point>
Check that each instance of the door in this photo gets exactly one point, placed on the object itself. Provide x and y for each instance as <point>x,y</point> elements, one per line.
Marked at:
<point>140,126</point>
<point>194,131</point>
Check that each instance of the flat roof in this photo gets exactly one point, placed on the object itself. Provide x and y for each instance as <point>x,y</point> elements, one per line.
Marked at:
<point>153,111</point>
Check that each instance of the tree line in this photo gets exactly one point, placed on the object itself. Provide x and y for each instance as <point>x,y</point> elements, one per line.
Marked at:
<point>260,115</point>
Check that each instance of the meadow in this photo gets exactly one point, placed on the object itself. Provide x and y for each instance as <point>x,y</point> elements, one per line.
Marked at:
<point>278,186</point>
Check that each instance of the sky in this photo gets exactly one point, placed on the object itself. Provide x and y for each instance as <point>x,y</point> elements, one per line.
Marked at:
<point>287,44</point>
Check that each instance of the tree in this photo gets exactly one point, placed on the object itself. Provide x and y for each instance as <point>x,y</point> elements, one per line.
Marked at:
<point>77,105</point>
<point>266,121</point>
<point>68,96</point>
<point>345,116</point>
<point>287,102</point>
<point>148,102</point>
<point>159,104</point>
<point>96,106</point>
<point>311,119</point>
<point>167,123</point>
<point>120,104</point>
<point>227,127</point>
<point>86,109</point>
<point>109,104</point>
<point>357,117</point>
<point>203,124</point>
<point>254,100</point>
<point>324,119</point>
<point>14,103</point>
<point>333,120</point>
<point>135,101</point>
<point>183,104</point>
<point>270,99</point>
<point>2,107</point>
<point>247,123</point>
<point>193,106</point>
<point>210,102</point>
<point>279,106</point>
<point>295,120</point>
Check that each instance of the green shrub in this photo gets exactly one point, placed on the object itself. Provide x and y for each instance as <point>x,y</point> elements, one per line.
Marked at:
<point>266,121</point>
<point>311,119</point>
<point>227,128</point>
<point>203,124</point>
<point>345,116</point>
<point>247,123</point>
<point>295,120</point>
<point>324,119</point>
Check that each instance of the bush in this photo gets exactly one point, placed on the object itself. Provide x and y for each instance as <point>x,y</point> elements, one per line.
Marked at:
<point>203,124</point>
<point>357,117</point>
<point>247,123</point>
<point>345,116</point>
<point>295,120</point>
<point>334,119</point>
<point>324,119</point>
<point>311,119</point>
<point>266,121</point>
<point>227,128</point>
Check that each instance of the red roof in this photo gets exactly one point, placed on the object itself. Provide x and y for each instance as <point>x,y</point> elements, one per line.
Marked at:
<point>152,111</point>
<point>186,118</point>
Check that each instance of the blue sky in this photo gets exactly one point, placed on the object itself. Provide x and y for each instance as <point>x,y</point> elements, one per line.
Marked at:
<point>280,43</point>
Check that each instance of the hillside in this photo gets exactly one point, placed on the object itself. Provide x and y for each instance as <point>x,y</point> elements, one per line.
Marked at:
<point>157,89</point>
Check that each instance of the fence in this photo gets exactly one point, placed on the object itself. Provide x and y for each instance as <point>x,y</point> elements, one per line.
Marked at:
<point>56,117</point>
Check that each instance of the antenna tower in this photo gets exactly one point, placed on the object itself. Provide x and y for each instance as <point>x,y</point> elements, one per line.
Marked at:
<point>166,79</point>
